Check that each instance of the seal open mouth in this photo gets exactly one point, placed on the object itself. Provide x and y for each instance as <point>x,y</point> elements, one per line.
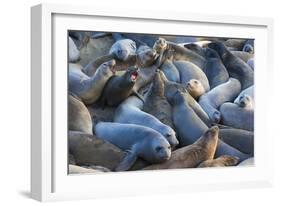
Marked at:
<point>134,76</point>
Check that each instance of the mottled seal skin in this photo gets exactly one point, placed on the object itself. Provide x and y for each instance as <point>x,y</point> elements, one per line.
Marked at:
<point>138,141</point>
<point>190,71</point>
<point>73,52</point>
<point>195,88</point>
<point>123,48</point>
<point>222,161</point>
<point>118,88</point>
<point>170,71</point>
<point>190,156</point>
<point>237,117</point>
<point>129,112</point>
<point>236,67</point>
<point>171,88</point>
<point>213,99</point>
<point>242,140</point>
<point>179,53</point>
<point>245,56</point>
<point>189,126</point>
<point>156,103</point>
<point>79,118</point>
<point>89,89</point>
<point>214,69</point>
<point>246,98</point>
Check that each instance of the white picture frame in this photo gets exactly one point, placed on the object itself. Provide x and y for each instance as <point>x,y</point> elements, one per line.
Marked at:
<point>49,179</point>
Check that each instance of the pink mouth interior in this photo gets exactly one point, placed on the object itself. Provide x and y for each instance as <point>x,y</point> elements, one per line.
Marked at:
<point>134,76</point>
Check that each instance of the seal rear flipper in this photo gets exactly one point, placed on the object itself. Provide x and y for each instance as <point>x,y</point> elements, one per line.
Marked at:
<point>127,161</point>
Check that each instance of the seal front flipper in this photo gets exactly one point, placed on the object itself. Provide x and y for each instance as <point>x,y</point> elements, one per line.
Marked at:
<point>127,161</point>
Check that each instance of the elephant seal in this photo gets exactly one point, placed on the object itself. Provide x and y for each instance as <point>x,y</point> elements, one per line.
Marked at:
<point>138,141</point>
<point>249,46</point>
<point>245,56</point>
<point>195,88</point>
<point>79,118</point>
<point>190,156</point>
<point>89,89</point>
<point>156,103</point>
<point>225,92</point>
<point>236,67</point>
<point>237,44</point>
<point>178,52</point>
<point>123,48</point>
<point>246,98</point>
<point>222,161</point>
<point>190,71</point>
<point>144,57</point>
<point>170,71</point>
<point>119,88</point>
<point>171,88</point>
<point>242,140</point>
<point>195,48</point>
<point>128,113</point>
<point>73,52</point>
<point>237,117</point>
<point>214,69</point>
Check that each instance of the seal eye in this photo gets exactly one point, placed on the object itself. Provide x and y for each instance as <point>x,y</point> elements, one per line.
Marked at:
<point>195,81</point>
<point>158,149</point>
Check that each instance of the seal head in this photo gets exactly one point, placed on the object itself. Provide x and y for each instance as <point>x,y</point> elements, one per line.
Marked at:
<point>195,88</point>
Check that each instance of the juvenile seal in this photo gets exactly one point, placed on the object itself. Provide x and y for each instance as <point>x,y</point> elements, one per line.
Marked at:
<point>119,88</point>
<point>190,156</point>
<point>79,118</point>
<point>242,140</point>
<point>246,98</point>
<point>190,71</point>
<point>195,48</point>
<point>156,103</point>
<point>225,92</point>
<point>129,112</point>
<point>237,117</point>
<point>178,52</point>
<point>214,69</point>
<point>195,88</point>
<point>236,67</point>
<point>89,89</point>
<point>222,161</point>
<point>138,141</point>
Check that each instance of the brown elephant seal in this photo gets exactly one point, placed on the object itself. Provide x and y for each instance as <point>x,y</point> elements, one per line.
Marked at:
<point>246,98</point>
<point>214,68</point>
<point>195,88</point>
<point>89,89</point>
<point>144,57</point>
<point>190,156</point>
<point>178,52</point>
<point>118,88</point>
<point>156,103</point>
<point>242,140</point>
<point>237,117</point>
<point>79,118</point>
<point>222,161</point>
<point>138,141</point>
<point>129,112</point>
<point>235,66</point>
<point>87,149</point>
<point>213,99</point>
<point>190,71</point>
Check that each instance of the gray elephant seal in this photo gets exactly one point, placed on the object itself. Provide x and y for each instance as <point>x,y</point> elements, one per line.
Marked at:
<point>89,89</point>
<point>212,100</point>
<point>236,67</point>
<point>170,71</point>
<point>190,71</point>
<point>178,52</point>
<point>242,140</point>
<point>222,161</point>
<point>245,56</point>
<point>195,48</point>
<point>190,156</point>
<point>237,117</point>
<point>246,98</point>
<point>237,44</point>
<point>79,118</point>
<point>138,141</point>
<point>156,103</point>
<point>118,88</point>
<point>128,113</point>
<point>123,48</point>
<point>214,69</point>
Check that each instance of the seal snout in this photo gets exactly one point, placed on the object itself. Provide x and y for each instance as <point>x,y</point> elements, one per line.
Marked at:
<point>216,117</point>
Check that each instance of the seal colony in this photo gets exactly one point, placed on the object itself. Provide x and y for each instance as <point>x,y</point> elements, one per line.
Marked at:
<point>149,102</point>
